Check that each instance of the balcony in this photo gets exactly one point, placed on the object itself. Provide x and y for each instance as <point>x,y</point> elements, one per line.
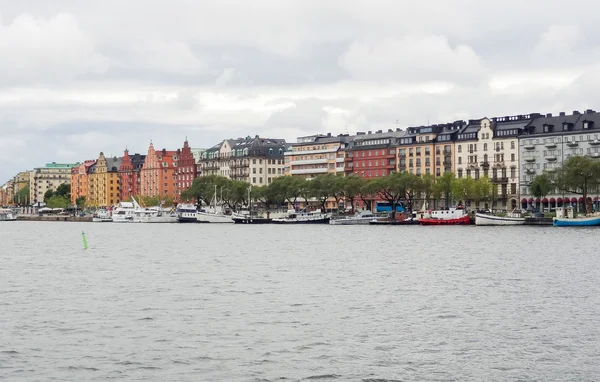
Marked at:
<point>500,179</point>
<point>241,164</point>
<point>310,161</point>
<point>529,159</point>
<point>550,158</point>
<point>320,170</point>
<point>447,163</point>
<point>595,142</point>
<point>529,147</point>
<point>572,144</point>
<point>530,171</point>
<point>551,145</point>
<point>595,155</point>
<point>485,164</point>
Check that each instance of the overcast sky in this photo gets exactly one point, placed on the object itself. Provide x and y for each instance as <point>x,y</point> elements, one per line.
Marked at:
<point>80,77</point>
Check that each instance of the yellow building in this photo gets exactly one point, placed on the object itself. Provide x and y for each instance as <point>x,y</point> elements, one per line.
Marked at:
<point>428,149</point>
<point>103,182</point>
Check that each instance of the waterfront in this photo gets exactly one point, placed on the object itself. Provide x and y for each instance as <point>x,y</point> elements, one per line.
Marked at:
<point>345,303</point>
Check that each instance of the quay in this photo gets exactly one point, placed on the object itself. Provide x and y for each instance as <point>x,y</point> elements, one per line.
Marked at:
<point>54,218</point>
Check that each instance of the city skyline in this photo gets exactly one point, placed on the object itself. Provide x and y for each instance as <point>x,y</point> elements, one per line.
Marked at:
<point>77,75</point>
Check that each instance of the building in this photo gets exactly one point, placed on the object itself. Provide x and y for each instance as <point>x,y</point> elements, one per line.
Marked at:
<point>316,155</point>
<point>129,175</point>
<point>255,160</point>
<point>47,178</point>
<point>20,182</point>
<point>197,153</point>
<point>157,175</point>
<point>373,155</point>
<point>546,143</point>
<point>79,180</point>
<point>428,150</point>
<point>4,195</point>
<point>186,170</point>
<point>103,182</point>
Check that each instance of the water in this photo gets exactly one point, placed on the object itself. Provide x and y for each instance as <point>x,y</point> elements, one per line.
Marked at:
<point>314,303</point>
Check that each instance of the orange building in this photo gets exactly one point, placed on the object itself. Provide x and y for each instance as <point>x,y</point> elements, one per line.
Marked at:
<point>79,180</point>
<point>129,175</point>
<point>157,175</point>
<point>186,169</point>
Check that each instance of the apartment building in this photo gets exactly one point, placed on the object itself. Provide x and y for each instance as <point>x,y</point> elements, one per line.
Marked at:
<point>317,154</point>
<point>47,178</point>
<point>372,155</point>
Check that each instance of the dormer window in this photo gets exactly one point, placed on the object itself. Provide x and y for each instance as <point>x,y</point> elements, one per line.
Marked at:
<point>548,128</point>
<point>588,124</point>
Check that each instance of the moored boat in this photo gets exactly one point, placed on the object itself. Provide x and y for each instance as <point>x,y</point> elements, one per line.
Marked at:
<point>450,216</point>
<point>214,212</point>
<point>186,213</point>
<point>565,217</point>
<point>512,218</point>
<point>301,217</point>
<point>123,212</point>
<point>250,218</point>
<point>7,215</point>
<point>361,217</point>
<point>102,216</point>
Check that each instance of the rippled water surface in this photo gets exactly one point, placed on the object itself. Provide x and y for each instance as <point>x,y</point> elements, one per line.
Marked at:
<point>271,303</point>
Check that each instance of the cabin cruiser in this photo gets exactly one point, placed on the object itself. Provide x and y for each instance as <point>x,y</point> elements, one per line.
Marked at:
<point>187,213</point>
<point>102,216</point>
<point>7,215</point>
<point>361,217</point>
<point>123,212</point>
<point>301,217</point>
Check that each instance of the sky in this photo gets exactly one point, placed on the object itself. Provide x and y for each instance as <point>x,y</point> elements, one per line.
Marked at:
<point>80,77</point>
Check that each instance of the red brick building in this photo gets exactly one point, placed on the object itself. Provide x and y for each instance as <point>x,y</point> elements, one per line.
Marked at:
<point>129,175</point>
<point>157,175</point>
<point>186,170</point>
<point>372,155</point>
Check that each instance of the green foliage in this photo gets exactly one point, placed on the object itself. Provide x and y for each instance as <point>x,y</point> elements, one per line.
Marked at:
<point>150,201</point>
<point>22,196</point>
<point>351,187</point>
<point>464,189</point>
<point>443,187</point>
<point>579,175</point>
<point>57,201</point>
<point>48,195</point>
<point>63,190</point>
<point>541,185</point>
<point>80,202</point>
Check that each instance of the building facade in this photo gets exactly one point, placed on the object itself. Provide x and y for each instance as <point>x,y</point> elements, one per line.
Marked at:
<point>546,143</point>
<point>186,170</point>
<point>104,183</point>
<point>428,150</point>
<point>47,178</point>
<point>254,160</point>
<point>79,180</point>
<point>129,175</point>
<point>373,155</point>
<point>317,155</point>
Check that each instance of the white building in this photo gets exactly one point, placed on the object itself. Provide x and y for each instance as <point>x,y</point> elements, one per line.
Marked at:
<point>47,178</point>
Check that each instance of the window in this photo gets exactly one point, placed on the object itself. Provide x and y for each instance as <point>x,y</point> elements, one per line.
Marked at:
<point>485,147</point>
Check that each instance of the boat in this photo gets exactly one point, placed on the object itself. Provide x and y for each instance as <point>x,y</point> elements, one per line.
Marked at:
<point>408,221</point>
<point>450,216</point>
<point>512,218</point>
<point>186,213</point>
<point>154,215</point>
<point>565,217</point>
<point>214,213</point>
<point>248,217</point>
<point>301,217</point>
<point>361,217</point>
<point>123,212</point>
<point>102,216</point>
<point>7,215</point>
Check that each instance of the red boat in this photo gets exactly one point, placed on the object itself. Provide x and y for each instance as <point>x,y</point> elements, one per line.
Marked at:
<point>451,216</point>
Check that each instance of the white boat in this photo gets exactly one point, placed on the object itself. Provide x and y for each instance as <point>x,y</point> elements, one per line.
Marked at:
<point>361,217</point>
<point>123,212</point>
<point>565,217</point>
<point>154,215</point>
<point>7,215</point>
<point>301,217</point>
<point>102,216</point>
<point>214,213</point>
<point>187,213</point>
<point>512,218</point>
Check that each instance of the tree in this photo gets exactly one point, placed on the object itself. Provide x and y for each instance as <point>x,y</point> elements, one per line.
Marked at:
<point>367,191</point>
<point>203,188</point>
<point>351,187</point>
<point>579,175</point>
<point>80,202</point>
<point>427,187</point>
<point>482,190</point>
<point>57,201</point>
<point>443,187</point>
<point>22,196</point>
<point>393,188</point>
<point>63,190</point>
<point>541,186</point>
<point>48,195</point>
<point>463,189</point>
<point>323,187</point>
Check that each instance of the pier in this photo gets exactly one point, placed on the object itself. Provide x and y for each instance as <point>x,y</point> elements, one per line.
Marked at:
<point>54,218</point>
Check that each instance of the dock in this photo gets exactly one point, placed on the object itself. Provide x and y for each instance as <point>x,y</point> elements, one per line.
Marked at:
<point>54,218</point>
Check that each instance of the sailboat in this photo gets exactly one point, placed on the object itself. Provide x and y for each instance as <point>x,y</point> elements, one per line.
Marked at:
<point>250,217</point>
<point>214,213</point>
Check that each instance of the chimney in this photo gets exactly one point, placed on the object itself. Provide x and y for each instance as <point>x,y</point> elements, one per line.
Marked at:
<point>390,130</point>
<point>369,132</point>
<point>548,115</point>
<point>589,111</point>
<point>397,129</point>
<point>561,114</point>
<point>575,112</point>
<point>379,132</point>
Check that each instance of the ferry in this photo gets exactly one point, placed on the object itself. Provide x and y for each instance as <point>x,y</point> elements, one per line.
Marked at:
<point>301,217</point>
<point>187,213</point>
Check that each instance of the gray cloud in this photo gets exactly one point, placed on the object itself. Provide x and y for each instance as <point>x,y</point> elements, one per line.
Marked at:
<point>80,77</point>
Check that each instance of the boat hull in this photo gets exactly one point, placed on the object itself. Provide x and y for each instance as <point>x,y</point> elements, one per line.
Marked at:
<point>397,222</point>
<point>593,221</point>
<point>187,219</point>
<point>213,218</point>
<point>464,220</point>
<point>252,220</point>
<point>102,220</point>
<point>484,219</point>
<point>296,221</point>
